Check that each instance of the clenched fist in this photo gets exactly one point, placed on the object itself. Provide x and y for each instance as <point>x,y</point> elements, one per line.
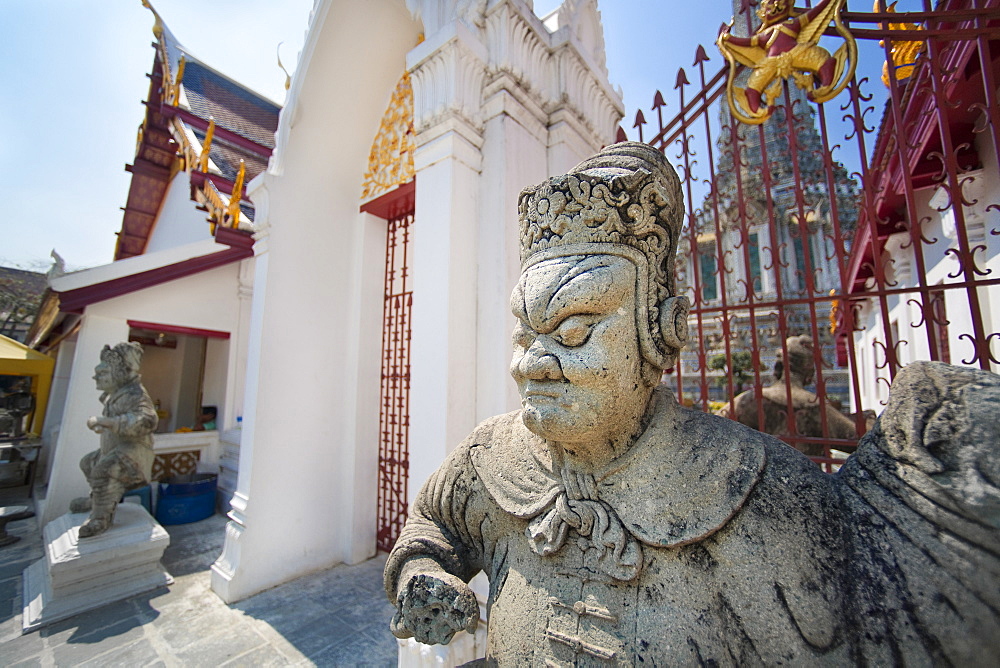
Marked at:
<point>432,608</point>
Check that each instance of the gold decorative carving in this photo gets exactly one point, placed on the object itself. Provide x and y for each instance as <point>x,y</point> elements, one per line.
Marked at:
<point>175,87</point>
<point>211,199</point>
<point>390,162</point>
<point>237,196</point>
<point>903,53</point>
<point>206,146</point>
<point>787,46</point>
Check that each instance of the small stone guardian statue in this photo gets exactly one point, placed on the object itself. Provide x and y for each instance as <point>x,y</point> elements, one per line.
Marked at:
<point>125,458</point>
<point>617,527</point>
<point>779,398</point>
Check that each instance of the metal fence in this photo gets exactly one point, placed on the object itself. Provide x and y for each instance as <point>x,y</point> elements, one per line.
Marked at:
<point>870,227</point>
<point>394,413</point>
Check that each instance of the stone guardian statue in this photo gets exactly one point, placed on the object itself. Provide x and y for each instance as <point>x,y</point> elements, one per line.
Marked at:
<point>617,527</point>
<point>125,459</point>
<point>778,399</point>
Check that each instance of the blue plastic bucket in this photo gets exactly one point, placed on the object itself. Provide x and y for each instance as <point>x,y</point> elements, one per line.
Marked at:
<point>186,498</point>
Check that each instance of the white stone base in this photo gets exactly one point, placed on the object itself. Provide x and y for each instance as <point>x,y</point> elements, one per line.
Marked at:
<point>464,647</point>
<point>76,576</point>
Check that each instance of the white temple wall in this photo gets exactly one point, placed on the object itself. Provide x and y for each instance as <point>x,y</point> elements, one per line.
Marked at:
<point>294,508</point>
<point>499,102</point>
<point>179,221</point>
<point>200,301</point>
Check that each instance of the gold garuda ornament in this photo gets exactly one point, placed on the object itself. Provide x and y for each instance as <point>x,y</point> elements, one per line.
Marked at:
<point>787,45</point>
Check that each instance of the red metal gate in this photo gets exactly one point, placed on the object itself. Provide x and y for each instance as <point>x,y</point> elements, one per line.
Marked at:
<point>879,238</point>
<point>394,413</point>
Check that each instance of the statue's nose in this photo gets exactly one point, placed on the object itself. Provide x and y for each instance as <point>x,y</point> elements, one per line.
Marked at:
<point>538,363</point>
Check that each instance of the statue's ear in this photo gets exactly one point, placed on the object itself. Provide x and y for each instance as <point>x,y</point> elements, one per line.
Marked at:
<point>673,321</point>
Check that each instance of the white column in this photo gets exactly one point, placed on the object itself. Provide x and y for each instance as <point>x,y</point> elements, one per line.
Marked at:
<point>514,157</point>
<point>238,342</point>
<point>56,407</point>
<point>447,71</point>
<point>66,480</point>
<point>443,378</point>
<point>225,571</point>
<point>365,336</point>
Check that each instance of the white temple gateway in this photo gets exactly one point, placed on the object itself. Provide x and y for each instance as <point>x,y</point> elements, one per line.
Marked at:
<point>394,182</point>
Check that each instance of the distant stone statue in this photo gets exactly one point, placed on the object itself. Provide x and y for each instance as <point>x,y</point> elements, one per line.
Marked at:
<point>125,459</point>
<point>617,527</point>
<point>778,398</point>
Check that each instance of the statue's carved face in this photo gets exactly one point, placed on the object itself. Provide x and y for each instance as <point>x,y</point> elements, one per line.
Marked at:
<point>772,11</point>
<point>104,377</point>
<point>576,350</point>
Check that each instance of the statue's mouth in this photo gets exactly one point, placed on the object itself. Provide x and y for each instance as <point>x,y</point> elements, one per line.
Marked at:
<point>543,390</point>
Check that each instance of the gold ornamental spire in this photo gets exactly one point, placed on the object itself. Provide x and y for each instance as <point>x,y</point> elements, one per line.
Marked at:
<point>903,53</point>
<point>237,196</point>
<point>206,146</point>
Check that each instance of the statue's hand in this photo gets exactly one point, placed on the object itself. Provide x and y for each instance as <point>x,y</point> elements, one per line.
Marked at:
<point>99,424</point>
<point>432,608</point>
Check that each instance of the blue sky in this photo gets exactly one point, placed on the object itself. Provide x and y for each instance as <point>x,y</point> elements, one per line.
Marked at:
<point>73,75</point>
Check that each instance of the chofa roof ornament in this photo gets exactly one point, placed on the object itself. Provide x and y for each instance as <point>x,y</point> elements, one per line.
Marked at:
<point>787,45</point>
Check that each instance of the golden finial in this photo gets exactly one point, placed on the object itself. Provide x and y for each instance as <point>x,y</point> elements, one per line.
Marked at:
<point>288,77</point>
<point>234,199</point>
<point>158,23</point>
<point>206,145</point>
<point>903,54</point>
<point>177,80</point>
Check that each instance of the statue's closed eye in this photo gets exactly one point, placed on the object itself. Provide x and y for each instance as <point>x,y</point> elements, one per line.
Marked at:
<point>575,330</point>
<point>571,332</point>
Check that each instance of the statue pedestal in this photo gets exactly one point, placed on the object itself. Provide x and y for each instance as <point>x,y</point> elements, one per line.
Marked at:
<point>76,576</point>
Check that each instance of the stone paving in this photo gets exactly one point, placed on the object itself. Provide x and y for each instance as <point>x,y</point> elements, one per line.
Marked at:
<point>337,617</point>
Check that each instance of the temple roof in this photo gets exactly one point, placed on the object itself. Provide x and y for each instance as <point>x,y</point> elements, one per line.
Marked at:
<point>234,107</point>
<point>185,98</point>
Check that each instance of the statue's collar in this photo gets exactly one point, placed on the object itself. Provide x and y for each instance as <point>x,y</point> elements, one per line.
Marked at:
<point>680,482</point>
<point>125,388</point>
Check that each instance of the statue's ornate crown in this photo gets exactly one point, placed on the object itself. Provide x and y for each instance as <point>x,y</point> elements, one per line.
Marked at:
<point>628,196</point>
<point>126,356</point>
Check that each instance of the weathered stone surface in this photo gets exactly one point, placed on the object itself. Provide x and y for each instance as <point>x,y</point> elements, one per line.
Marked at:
<point>125,458</point>
<point>617,527</point>
<point>922,498</point>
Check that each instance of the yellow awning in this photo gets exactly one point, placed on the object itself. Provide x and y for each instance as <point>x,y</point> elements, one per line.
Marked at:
<point>16,359</point>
